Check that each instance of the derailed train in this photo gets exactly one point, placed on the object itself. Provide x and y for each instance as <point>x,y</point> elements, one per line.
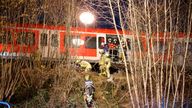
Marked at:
<point>53,42</point>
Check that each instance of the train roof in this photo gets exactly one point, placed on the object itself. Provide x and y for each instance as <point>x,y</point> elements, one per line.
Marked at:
<point>63,28</point>
<point>90,30</point>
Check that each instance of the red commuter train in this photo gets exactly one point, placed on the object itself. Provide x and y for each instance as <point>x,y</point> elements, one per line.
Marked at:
<point>82,43</point>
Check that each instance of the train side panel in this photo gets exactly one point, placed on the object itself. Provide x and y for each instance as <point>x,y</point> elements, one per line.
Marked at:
<point>79,45</point>
<point>18,42</point>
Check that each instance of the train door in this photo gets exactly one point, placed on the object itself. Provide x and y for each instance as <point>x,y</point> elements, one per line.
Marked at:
<point>43,46</point>
<point>49,44</point>
<point>115,50</point>
<point>101,41</point>
<point>53,44</point>
<point>114,47</point>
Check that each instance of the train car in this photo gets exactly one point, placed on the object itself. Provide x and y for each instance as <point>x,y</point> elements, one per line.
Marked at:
<point>55,42</point>
<point>15,42</point>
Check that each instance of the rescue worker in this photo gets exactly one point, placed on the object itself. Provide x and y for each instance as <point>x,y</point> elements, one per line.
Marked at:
<point>106,48</point>
<point>120,54</point>
<point>105,64</point>
<point>84,65</point>
<point>101,63</point>
<point>89,91</point>
<point>121,51</point>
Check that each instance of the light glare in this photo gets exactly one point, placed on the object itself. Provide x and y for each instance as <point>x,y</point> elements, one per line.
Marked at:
<point>87,18</point>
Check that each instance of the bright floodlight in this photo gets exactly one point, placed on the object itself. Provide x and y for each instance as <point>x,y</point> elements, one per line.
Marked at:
<point>87,18</point>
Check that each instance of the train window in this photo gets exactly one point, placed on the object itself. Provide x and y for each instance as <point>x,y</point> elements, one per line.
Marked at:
<point>20,38</point>
<point>43,40</point>
<point>128,43</point>
<point>54,40</point>
<point>73,41</point>
<point>160,48</point>
<point>76,41</point>
<point>66,41</point>
<point>101,42</point>
<point>90,42</point>
<point>6,37</point>
<point>163,47</point>
<point>27,38</point>
<point>30,38</point>
<point>190,47</point>
<point>180,47</point>
<point>112,39</point>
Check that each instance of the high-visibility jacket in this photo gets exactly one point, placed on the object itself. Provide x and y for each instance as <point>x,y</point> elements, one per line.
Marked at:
<point>107,62</point>
<point>102,59</point>
<point>86,65</point>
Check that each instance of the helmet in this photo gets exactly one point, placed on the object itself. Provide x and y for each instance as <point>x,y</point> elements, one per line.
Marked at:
<point>101,52</point>
<point>77,61</point>
<point>87,77</point>
<point>107,54</point>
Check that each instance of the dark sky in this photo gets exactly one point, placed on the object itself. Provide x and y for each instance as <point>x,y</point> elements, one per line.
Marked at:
<point>104,18</point>
<point>103,13</point>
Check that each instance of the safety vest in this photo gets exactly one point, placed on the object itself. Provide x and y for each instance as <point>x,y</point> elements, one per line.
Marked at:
<point>102,59</point>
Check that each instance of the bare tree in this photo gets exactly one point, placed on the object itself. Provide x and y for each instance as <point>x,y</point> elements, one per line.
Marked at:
<point>160,78</point>
<point>46,12</point>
